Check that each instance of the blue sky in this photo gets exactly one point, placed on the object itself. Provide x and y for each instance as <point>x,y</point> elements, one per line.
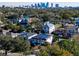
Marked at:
<point>62,4</point>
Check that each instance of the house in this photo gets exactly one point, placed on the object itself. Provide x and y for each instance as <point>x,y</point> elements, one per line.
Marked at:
<point>48,27</point>
<point>77,22</point>
<point>47,37</point>
<point>70,32</point>
<point>13,35</point>
<point>66,32</point>
<point>78,30</point>
<point>25,19</point>
<point>5,32</point>
<point>40,39</point>
<point>59,32</point>
<point>27,35</point>
<point>22,21</point>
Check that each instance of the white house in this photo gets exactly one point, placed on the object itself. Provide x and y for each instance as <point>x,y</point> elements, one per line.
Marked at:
<point>49,39</point>
<point>13,35</point>
<point>48,27</point>
<point>5,32</point>
<point>78,30</point>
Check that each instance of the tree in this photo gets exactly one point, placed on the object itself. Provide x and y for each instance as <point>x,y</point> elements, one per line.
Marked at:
<point>66,16</point>
<point>29,28</point>
<point>56,38</point>
<point>18,44</point>
<point>36,24</point>
<point>53,50</point>
<point>21,44</point>
<point>5,42</point>
<point>71,46</point>
<point>43,51</point>
<point>45,18</point>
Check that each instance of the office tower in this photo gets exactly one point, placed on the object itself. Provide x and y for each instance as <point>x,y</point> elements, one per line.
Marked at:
<point>45,5</point>
<point>51,5</point>
<point>39,5</point>
<point>26,6</point>
<point>36,6</point>
<point>57,5</point>
<point>23,6</point>
<point>3,6</point>
<point>32,6</point>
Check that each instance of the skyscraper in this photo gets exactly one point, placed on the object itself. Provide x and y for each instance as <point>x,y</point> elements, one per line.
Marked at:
<point>51,5</point>
<point>3,6</point>
<point>36,6</point>
<point>56,5</point>
<point>45,5</point>
<point>39,5</point>
<point>32,6</point>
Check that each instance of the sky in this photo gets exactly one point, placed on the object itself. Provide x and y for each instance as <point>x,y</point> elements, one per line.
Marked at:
<point>61,4</point>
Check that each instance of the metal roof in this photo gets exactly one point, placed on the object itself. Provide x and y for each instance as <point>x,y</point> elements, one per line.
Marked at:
<point>26,34</point>
<point>42,36</point>
<point>48,24</point>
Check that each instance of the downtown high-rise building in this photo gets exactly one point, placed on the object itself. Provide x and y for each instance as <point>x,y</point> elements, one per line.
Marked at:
<point>51,5</point>
<point>41,5</point>
<point>56,5</point>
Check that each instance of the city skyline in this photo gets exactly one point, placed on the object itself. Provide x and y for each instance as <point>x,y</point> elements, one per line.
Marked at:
<point>61,4</point>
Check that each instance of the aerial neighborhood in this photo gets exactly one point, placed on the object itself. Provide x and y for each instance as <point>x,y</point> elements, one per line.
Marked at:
<point>46,33</point>
<point>39,31</point>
